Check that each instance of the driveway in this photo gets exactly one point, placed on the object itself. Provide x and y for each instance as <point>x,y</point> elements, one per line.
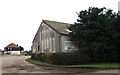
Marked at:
<point>17,64</point>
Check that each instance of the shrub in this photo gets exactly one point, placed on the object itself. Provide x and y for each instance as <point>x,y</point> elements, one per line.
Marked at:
<point>33,56</point>
<point>69,58</point>
<point>61,58</point>
<point>39,57</point>
<point>73,58</point>
<point>46,58</point>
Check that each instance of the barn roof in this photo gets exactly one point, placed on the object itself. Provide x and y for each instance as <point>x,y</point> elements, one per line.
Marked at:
<point>60,27</point>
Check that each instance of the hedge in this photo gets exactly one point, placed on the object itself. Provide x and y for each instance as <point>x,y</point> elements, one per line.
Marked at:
<point>74,58</point>
<point>69,58</point>
<point>61,58</point>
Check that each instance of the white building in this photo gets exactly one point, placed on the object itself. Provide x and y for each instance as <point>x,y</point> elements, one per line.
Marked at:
<point>12,49</point>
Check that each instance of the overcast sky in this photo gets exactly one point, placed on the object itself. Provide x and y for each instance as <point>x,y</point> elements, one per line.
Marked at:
<point>20,19</point>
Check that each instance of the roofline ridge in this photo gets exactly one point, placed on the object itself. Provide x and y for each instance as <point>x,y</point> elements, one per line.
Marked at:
<point>56,21</point>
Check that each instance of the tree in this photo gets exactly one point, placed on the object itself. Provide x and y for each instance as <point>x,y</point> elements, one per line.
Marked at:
<point>21,48</point>
<point>95,33</point>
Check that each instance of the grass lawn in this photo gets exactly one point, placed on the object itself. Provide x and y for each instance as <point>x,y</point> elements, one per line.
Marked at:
<point>39,62</point>
<point>99,65</point>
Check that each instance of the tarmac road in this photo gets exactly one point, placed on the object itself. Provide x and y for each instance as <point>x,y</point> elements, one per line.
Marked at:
<point>17,64</point>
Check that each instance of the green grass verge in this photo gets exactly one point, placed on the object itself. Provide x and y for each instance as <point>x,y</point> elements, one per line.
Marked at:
<point>38,62</point>
<point>97,65</point>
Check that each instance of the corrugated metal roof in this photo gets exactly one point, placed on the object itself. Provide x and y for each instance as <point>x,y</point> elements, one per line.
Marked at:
<point>58,26</point>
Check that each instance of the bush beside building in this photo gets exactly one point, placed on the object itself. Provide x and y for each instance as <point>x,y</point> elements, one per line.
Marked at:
<point>61,58</point>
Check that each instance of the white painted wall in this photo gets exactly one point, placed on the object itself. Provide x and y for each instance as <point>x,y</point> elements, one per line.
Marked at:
<point>15,52</point>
